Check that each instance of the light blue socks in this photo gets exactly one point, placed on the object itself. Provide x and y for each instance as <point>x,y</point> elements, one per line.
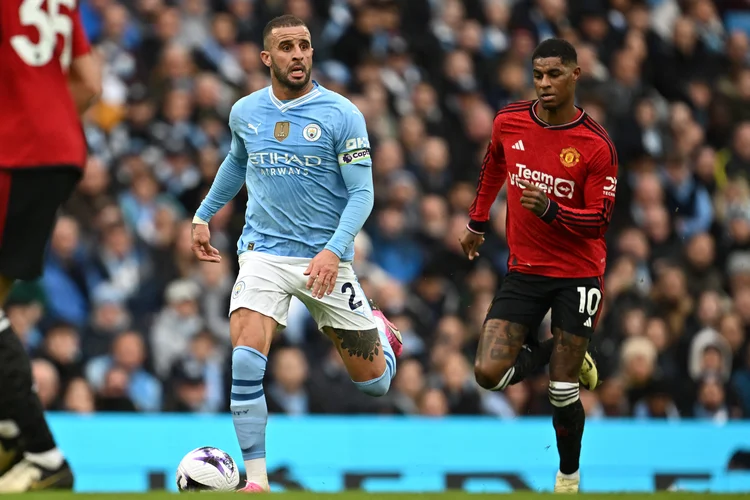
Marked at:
<point>379,386</point>
<point>249,410</point>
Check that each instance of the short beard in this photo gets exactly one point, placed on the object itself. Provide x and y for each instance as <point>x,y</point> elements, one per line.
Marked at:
<point>283,79</point>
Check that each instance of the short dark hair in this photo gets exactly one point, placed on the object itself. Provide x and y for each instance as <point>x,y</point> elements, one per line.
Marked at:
<point>285,21</point>
<point>556,47</point>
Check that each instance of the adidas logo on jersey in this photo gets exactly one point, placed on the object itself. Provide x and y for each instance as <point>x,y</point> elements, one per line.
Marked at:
<point>518,146</point>
<point>587,323</point>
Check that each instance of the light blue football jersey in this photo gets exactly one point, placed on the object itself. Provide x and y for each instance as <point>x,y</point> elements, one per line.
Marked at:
<point>296,152</point>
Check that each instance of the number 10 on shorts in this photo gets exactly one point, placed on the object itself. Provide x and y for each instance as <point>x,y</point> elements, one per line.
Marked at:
<point>589,300</point>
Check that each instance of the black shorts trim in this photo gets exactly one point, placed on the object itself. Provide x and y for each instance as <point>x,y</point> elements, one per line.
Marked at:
<point>526,298</point>
<point>29,200</point>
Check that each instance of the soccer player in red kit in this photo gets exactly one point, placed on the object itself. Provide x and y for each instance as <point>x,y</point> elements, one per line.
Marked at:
<point>561,169</point>
<point>47,78</point>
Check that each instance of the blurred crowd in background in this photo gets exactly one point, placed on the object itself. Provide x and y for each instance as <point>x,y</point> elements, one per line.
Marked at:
<point>125,319</point>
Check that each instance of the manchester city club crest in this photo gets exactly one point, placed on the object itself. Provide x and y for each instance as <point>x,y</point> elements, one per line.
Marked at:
<point>281,131</point>
<point>239,287</point>
<point>312,132</point>
<point>570,157</point>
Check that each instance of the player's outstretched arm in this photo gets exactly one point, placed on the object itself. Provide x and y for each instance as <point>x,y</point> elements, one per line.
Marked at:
<point>352,146</point>
<point>229,180</point>
<point>85,81</point>
<point>201,245</point>
<point>353,153</point>
<point>84,74</point>
<point>358,181</point>
<point>231,175</point>
<point>491,179</point>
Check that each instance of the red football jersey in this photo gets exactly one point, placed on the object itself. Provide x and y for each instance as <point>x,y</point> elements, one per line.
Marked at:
<point>39,123</point>
<point>576,165</point>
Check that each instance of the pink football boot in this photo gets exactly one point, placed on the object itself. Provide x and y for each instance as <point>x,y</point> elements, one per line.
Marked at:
<point>252,488</point>
<point>394,336</point>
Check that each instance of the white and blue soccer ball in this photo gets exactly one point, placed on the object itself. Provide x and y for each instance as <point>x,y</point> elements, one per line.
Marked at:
<point>207,469</point>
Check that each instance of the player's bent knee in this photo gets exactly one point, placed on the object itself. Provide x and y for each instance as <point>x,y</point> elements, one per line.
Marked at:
<point>483,377</point>
<point>563,393</point>
<point>362,353</point>
<point>493,376</point>
<point>376,387</point>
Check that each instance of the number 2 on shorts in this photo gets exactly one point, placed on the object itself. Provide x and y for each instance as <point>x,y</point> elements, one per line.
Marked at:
<point>349,288</point>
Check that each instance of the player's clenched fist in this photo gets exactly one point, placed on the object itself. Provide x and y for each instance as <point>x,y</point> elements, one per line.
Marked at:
<point>533,198</point>
<point>202,244</point>
<point>470,242</point>
<point>323,272</point>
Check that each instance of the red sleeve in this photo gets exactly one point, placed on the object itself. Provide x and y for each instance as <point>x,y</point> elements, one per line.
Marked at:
<point>81,45</point>
<point>491,179</point>
<point>599,196</point>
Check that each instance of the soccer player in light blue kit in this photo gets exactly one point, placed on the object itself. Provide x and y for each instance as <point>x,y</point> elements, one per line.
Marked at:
<point>304,155</point>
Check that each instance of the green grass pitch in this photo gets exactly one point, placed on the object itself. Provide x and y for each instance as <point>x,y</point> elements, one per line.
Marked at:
<point>384,496</point>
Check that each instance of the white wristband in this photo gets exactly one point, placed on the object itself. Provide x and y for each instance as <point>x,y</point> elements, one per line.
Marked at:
<point>473,231</point>
<point>198,220</point>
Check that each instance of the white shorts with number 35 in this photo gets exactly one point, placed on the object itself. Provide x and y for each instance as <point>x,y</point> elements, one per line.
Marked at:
<point>266,284</point>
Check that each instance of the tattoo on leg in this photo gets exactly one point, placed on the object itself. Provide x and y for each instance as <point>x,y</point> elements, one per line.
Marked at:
<point>498,348</point>
<point>359,344</point>
<point>501,340</point>
<point>507,346</point>
<point>567,356</point>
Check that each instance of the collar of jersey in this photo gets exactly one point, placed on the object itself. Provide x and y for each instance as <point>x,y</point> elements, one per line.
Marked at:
<point>284,106</point>
<point>563,126</point>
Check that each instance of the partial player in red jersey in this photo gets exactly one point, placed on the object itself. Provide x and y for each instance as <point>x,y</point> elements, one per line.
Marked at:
<point>561,171</point>
<point>48,77</point>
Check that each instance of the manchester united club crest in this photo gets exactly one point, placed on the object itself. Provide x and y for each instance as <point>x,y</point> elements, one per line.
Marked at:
<point>570,157</point>
<point>281,131</point>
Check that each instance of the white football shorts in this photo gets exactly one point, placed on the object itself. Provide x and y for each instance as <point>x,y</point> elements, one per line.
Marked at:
<point>266,284</point>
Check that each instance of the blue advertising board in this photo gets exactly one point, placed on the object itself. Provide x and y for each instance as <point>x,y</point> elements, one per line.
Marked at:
<point>407,454</point>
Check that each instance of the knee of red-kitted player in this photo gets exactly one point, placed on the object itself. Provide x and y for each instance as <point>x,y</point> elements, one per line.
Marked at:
<point>491,377</point>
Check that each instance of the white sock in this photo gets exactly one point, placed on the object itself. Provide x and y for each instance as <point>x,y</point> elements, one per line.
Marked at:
<point>575,475</point>
<point>256,472</point>
<point>51,459</point>
<point>9,429</point>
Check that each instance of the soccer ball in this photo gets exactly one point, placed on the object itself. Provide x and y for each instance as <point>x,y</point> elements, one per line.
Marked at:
<point>207,469</point>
